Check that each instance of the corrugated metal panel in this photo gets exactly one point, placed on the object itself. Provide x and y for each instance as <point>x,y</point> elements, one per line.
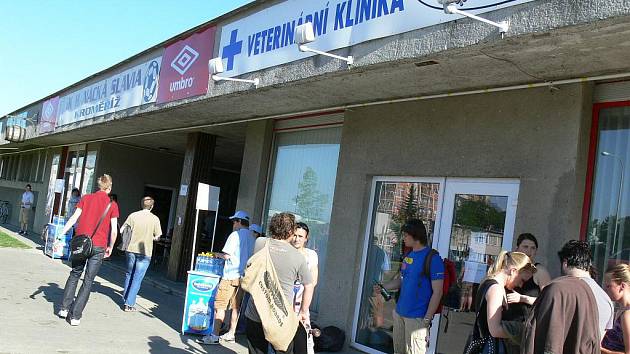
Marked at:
<point>612,92</point>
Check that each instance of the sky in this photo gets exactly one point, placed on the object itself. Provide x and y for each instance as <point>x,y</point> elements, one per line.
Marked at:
<point>47,45</point>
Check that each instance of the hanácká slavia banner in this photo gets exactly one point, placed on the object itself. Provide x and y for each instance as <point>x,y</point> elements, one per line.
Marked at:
<point>133,87</point>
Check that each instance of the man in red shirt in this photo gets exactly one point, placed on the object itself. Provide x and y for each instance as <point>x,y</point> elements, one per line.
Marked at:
<point>90,209</point>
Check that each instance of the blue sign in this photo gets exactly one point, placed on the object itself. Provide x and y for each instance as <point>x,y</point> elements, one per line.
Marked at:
<point>201,290</point>
<point>267,38</point>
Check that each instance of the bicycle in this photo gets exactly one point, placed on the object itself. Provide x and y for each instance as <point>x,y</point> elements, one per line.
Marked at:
<point>4,211</point>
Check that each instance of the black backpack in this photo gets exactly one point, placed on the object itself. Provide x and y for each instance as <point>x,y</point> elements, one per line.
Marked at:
<point>331,339</point>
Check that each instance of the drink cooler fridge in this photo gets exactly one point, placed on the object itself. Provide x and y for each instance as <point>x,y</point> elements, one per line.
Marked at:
<point>57,245</point>
<point>201,290</point>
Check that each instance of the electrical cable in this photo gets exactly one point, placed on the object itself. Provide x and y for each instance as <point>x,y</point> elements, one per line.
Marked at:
<point>469,8</point>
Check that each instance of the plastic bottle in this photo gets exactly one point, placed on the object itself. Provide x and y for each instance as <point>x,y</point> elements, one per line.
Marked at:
<point>205,264</point>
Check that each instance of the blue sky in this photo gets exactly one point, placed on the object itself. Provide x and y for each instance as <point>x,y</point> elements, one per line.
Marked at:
<point>47,45</point>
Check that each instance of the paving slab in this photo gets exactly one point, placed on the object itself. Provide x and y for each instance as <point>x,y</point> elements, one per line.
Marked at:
<point>32,287</point>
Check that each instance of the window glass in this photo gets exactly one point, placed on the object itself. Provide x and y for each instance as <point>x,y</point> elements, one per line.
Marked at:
<point>394,203</point>
<point>88,176</point>
<point>50,200</point>
<point>303,183</point>
<point>27,167</point>
<point>609,226</point>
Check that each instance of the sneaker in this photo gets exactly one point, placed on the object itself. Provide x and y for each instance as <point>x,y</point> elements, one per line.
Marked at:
<point>129,308</point>
<point>74,322</point>
<point>62,313</point>
<point>210,339</point>
<point>228,337</point>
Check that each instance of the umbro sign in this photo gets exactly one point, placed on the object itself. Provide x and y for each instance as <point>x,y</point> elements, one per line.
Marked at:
<point>187,74</point>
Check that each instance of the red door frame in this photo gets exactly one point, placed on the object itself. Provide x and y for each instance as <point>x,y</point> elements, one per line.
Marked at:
<point>592,151</point>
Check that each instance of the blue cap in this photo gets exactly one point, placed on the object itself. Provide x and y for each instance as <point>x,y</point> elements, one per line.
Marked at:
<point>240,215</point>
<point>256,228</point>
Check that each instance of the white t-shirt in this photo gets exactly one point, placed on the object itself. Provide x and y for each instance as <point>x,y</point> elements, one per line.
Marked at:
<point>240,246</point>
<point>311,258</point>
<point>605,306</point>
<point>27,199</point>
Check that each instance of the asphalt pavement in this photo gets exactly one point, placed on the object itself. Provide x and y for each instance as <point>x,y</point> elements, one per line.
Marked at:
<point>31,290</point>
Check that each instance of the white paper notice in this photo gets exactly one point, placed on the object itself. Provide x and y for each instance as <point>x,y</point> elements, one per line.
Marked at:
<point>183,190</point>
<point>59,183</point>
<point>474,272</point>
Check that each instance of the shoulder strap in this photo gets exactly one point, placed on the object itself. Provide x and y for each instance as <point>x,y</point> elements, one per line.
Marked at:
<point>101,219</point>
<point>426,271</point>
<point>481,292</point>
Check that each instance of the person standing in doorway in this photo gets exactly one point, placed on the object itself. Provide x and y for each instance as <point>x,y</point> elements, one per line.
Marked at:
<point>92,208</point>
<point>25,209</point>
<point>237,250</point>
<point>145,228</point>
<point>420,294</point>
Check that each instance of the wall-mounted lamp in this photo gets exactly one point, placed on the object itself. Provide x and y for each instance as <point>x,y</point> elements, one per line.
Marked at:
<point>215,66</point>
<point>304,34</point>
<point>450,7</point>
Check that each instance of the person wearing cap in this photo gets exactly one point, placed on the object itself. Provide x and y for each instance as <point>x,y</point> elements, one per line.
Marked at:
<point>256,230</point>
<point>237,250</point>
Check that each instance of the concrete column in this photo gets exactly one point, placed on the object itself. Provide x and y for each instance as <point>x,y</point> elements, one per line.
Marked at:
<point>197,168</point>
<point>254,171</point>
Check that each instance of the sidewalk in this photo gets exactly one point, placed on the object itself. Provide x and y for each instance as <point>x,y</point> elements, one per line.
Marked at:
<point>32,287</point>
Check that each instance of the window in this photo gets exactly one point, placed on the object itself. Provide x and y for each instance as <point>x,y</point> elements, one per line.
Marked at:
<point>88,175</point>
<point>608,229</point>
<point>54,167</point>
<point>26,162</point>
<point>10,166</point>
<point>303,183</point>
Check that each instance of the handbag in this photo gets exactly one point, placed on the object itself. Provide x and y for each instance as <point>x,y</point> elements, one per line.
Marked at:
<point>81,245</point>
<point>125,237</point>
<point>483,343</point>
<point>279,321</point>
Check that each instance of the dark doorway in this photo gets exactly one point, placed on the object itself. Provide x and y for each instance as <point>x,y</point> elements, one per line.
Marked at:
<point>163,198</point>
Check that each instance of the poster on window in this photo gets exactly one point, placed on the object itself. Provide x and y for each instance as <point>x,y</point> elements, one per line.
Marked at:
<point>474,272</point>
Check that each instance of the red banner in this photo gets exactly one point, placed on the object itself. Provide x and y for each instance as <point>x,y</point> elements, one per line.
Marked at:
<point>50,109</point>
<point>185,67</point>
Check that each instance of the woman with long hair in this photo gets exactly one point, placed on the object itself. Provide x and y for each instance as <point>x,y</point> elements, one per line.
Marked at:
<point>617,284</point>
<point>510,270</point>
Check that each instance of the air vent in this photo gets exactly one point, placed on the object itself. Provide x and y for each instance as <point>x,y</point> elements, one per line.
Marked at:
<point>426,63</point>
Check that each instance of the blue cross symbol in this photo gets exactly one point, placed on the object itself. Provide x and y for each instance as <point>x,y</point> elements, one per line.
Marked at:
<point>232,49</point>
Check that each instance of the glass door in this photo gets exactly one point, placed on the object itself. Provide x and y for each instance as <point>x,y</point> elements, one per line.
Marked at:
<point>477,223</point>
<point>394,200</point>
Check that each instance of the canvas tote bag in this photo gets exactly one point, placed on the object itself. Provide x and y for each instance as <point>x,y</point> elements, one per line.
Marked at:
<point>261,281</point>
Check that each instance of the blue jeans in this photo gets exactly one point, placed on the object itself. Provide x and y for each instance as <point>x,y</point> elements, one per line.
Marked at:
<point>91,267</point>
<point>137,265</point>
